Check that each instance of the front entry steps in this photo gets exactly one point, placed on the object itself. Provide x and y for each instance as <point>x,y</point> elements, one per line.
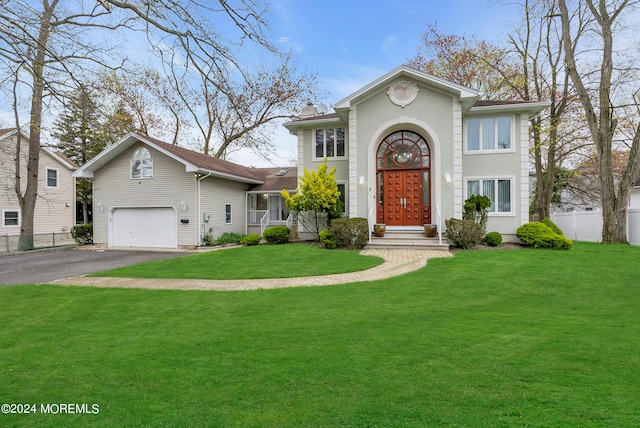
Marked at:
<point>406,240</point>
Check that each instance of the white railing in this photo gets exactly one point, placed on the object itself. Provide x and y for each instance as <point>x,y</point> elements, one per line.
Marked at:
<point>264,222</point>
<point>254,216</point>
<point>369,219</point>
<point>439,223</point>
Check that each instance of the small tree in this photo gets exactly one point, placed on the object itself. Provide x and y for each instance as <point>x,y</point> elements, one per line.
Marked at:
<point>475,209</point>
<point>317,197</point>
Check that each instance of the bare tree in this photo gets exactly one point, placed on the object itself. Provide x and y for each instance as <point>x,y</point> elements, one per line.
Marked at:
<point>235,113</point>
<point>602,115</point>
<point>538,45</point>
<point>51,45</point>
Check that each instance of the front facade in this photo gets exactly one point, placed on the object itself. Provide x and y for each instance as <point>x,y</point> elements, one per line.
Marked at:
<point>409,148</point>
<point>150,194</point>
<point>55,206</point>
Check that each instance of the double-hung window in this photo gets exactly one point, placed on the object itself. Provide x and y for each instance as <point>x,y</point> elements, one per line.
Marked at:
<point>330,143</point>
<point>52,177</point>
<point>498,190</point>
<point>489,134</point>
<point>227,213</point>
<point>10,218</point>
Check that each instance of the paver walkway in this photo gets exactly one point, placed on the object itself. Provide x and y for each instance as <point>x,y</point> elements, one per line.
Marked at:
<point>397,262</point>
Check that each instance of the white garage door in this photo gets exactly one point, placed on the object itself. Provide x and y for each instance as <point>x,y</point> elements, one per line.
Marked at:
<point>144,228</point>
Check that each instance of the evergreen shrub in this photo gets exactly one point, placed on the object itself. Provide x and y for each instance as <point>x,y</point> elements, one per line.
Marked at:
<point>326,237</point>
<point>276,234</point>
<point>538,235</point>
<point>493,239</point>
<point>251,240</point>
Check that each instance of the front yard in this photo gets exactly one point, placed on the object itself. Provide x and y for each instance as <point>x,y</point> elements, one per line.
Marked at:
<point>487,338</point>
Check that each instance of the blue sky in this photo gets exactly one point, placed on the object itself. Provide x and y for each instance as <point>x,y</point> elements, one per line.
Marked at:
<point>350,43</point>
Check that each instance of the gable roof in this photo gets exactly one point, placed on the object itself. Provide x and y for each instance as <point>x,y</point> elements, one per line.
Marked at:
<point>58,157</point>
<point>466,95</point>
<point>193,161</point>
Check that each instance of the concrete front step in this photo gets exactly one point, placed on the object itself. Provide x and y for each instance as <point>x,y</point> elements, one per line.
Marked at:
<point>407,240</point>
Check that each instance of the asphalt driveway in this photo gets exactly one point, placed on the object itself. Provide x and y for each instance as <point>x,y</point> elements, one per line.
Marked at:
<point>44,266</point>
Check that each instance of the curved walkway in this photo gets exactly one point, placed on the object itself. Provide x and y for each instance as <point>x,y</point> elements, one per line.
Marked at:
<point>397,262</point>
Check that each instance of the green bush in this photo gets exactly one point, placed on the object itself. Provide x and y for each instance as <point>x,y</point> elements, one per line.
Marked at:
<point>463,233</point>
<point>251,240</point>
<point>493,239</point>
<point>351,233</point>
<point>539,235</point>
<point>230,238</point>
<point>83,233</point>
<point>551,225</point>
<point>326,237</point>
<point>276,234</point>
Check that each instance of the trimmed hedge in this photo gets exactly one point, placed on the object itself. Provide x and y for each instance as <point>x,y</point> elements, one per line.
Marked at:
<point>352,233</point>
<point>83,233</point>
<point>276,234</point>
<point>251,240</point>
<point>493,239</point>
<point>538,235</point>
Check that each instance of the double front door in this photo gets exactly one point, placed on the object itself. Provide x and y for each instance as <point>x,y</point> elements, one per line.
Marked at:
<point>403,202</point>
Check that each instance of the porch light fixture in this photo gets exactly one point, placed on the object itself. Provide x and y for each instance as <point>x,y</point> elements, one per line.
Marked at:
<point>361,180</point>
<point>447,177</point>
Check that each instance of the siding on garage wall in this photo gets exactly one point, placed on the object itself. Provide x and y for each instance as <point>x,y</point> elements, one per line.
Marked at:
<point>51,212</point>
<point>169,187</point>
<point>215,193</point>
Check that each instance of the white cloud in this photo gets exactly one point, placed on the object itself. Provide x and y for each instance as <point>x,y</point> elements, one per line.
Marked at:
<point>290,45</point>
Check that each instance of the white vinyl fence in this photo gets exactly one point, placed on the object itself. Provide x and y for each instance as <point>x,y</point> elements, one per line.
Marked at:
<point>587,225</point>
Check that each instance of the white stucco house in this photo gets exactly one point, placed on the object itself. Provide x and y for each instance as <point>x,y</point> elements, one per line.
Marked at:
<point>55,206</point>
<point>408,148</point>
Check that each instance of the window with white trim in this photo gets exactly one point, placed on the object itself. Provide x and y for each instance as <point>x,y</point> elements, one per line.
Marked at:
<point>329,143</point>
<point>489,134</point>
<point>10,218</point>
<point>498,190</point>
<point>227,214</point>
<point>52,177</point>
<point>141,164</point>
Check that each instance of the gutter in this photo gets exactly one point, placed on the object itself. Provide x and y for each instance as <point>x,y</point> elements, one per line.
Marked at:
<point>198,213</point>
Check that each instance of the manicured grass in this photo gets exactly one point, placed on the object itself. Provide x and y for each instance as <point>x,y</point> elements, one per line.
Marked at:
<point>535,338</point>
<point>262,261</point>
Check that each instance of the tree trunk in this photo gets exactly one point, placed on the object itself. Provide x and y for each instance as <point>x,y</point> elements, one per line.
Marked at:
<point>28,200</point>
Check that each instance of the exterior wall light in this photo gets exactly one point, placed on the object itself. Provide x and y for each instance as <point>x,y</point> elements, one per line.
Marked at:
<point>447,177</point>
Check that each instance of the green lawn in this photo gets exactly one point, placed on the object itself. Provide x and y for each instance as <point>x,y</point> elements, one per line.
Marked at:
<point>535,338</point>
<point>262,261</point>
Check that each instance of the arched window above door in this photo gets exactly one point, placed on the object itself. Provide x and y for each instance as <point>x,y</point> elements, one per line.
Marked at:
<point>403,150</point>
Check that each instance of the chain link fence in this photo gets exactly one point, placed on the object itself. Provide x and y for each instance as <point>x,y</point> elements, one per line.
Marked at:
<point>9,243</point>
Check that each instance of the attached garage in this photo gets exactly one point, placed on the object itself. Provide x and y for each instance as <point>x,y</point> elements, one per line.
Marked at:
<point>154,227</point>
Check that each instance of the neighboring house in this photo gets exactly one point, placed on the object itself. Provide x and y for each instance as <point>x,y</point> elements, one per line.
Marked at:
<point>55,206</point>
<point>634,200</point>
<point>410,148</point>
<point>147,193</point>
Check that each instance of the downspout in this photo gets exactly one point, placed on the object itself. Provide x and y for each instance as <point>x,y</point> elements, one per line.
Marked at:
<point>199,216</point>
